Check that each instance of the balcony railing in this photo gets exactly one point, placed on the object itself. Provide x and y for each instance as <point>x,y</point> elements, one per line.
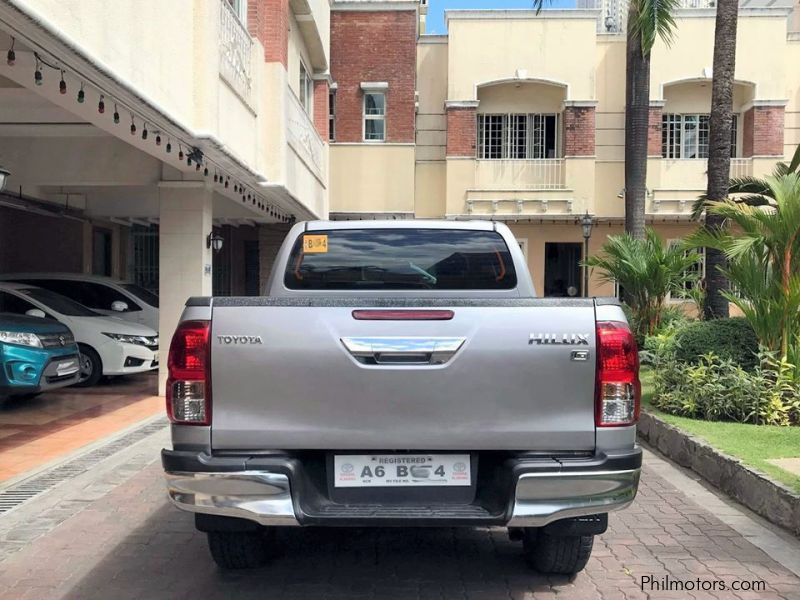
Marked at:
<point>533,174</point>
<point>614,13</point>
<point>303,137</point>
<point>235,52</point>
<point>741,167</point>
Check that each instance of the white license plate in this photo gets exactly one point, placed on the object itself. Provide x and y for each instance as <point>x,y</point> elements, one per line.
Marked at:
<point>401,470</point>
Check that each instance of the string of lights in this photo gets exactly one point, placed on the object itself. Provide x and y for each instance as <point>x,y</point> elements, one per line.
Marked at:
<point>192,155</point>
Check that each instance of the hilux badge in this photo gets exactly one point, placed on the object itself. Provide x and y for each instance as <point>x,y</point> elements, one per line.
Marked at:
<point>562,339</point>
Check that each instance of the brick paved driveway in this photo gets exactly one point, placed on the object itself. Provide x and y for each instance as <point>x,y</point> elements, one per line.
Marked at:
<point>127,542</point>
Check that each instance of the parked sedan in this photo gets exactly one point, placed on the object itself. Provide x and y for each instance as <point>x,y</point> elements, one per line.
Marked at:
<point>36,355</point>
<point>108,345</point>
<point>105,295</point>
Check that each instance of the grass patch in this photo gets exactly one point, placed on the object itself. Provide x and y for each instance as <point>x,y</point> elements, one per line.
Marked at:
<point>752,444</point>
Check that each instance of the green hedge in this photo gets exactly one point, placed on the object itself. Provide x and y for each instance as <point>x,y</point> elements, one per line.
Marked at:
<point>729,339</point>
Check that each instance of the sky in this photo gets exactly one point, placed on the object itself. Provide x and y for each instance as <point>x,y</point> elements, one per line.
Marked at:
<point>436,8</point>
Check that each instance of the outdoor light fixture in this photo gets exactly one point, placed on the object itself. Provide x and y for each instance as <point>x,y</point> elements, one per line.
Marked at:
<point>214,241</point>
<point>587,222</point>
<point>4,175</point>
<point>610,22</point>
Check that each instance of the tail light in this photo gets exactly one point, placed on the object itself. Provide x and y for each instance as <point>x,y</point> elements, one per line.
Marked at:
<point>189,379</point>
<point>618,391</point>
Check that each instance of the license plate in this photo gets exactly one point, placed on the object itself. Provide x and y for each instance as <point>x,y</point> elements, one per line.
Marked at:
<point>401,470</point>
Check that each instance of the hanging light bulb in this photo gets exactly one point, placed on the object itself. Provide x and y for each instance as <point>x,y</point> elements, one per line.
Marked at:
<point>144,132</point>
<point>133,126</point>
<point>81,95</point>
<point>205,172</point>
<point>116,113</point>
<point>235,188</point>
<point>216,179</point>
<point>169,146</point>
<point>11,56</point>
<point>37,74</point>
<point>197,167</point>
<point>227,181</point>
<point>158,139</point>
<point>101,105</point>
<point>188,160</point>
<point>180,152</point>
<point>62,85</point>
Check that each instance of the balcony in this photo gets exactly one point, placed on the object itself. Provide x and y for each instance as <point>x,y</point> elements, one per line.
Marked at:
<point>303,138</point>
<point>520,174</point>
<point>235,53</point>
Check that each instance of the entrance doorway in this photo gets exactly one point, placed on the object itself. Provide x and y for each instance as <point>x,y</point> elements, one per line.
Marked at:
<point>101,251</point>
<point>562,269</point>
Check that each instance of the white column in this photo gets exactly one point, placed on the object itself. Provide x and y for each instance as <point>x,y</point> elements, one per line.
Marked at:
<point>184,262</point>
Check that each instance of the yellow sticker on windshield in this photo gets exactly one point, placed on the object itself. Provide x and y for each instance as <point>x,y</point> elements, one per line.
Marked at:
<point>315,244</point>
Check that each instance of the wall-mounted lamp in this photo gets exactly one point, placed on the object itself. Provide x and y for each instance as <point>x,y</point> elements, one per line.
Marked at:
<point>214,241</point>
<point>4,175</point>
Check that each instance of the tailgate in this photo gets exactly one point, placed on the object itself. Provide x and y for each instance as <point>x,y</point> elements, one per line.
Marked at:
<point>314,377</point>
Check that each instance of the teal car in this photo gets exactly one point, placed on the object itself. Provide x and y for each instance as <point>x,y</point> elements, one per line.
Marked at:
<point>36,355</point>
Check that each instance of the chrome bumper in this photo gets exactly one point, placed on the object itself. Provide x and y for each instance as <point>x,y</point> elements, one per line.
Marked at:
<point>254,495</point>
<point>539,498</point>
<point>542,498</point>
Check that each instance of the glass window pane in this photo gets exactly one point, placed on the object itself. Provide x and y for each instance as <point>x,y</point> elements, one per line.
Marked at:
<point>374,104</point>
<point>374,129</point>
<point>403,259</point>
<point>689,136</point>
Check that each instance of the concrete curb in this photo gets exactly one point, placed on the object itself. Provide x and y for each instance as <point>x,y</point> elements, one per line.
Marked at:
<point>758,492</point>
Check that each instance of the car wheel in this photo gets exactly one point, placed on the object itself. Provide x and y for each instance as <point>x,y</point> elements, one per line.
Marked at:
<point>91,366</point>
<point>239,549</point>
<point>561,555</point>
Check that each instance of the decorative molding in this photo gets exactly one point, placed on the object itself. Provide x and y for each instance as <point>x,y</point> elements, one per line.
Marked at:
<point>374,5</point>
<point>764,103</point>
<point>369,86</point>
<point>658,103</point>
<point>579,103</point>
<point>461,103</point>
<point>302,136</point>
<point>433,38</point>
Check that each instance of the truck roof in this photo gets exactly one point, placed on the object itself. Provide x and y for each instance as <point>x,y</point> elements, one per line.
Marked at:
<point>402,224</point>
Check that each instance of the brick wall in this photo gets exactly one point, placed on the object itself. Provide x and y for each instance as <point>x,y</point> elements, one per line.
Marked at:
<point>654,131</point>
<point>579,131</point>
<point>268,20</point>
<point>270,238</point>
<point>763,131</point>
<point>374,46</point>
<point>462,131</point>
<point>321,90</point>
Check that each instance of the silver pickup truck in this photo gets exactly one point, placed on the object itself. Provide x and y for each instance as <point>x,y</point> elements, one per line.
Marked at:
<point>403,373</point>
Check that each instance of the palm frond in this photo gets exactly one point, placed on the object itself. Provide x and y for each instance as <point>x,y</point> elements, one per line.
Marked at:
<point>795,163</point>
<point>653,20</point>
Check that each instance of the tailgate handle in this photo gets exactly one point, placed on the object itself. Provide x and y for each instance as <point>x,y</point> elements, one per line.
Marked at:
<point>403,350</point>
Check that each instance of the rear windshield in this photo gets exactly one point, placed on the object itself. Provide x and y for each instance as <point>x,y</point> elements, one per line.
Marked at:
<point>400,259</point>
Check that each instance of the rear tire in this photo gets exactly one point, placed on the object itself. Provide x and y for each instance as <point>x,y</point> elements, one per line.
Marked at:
<point>559,555</point>
<point>238,549</point>
<point>91,366</point>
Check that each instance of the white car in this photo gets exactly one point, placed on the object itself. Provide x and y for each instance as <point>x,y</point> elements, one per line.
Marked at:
<point>108,345</point>
<point>105,295</point>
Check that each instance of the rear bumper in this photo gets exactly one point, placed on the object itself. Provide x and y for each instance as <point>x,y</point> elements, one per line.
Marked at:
<point>282,490</point>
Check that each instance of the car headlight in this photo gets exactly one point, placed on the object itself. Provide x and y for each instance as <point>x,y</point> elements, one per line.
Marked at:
<point>139,340</point>
<point>20,338</point>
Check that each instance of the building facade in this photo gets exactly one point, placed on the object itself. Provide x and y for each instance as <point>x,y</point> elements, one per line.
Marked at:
<point>137,131</point>
<point>520,118</point>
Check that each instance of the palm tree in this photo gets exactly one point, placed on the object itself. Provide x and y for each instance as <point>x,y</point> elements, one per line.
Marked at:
<point>763,252</point>
<point>719,147</point>
<point>648,270</point>
<point>648,20</point>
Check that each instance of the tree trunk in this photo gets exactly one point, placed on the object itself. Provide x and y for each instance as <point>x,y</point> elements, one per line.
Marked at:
<point>637,121</point>
<point>719,147</point>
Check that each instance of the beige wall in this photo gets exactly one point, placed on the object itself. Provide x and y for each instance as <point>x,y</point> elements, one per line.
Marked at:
<point>372,178</point>
<point>521,97</point>
<point>487,49</point>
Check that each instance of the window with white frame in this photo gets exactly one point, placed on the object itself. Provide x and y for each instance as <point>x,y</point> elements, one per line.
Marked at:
<point>332,116</point>
<point>305,88</point>
<point>518,136</point>
<point>239,7</point>
<point>374,116</point>
<point>698,270</point>
<point>686,136</point>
